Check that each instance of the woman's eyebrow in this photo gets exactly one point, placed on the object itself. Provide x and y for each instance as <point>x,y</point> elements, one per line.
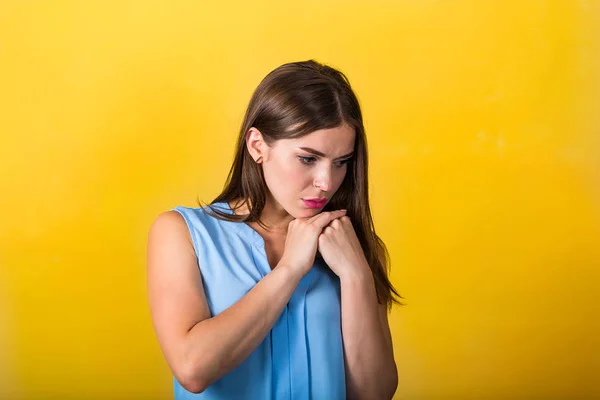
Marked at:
<point>318,153</point>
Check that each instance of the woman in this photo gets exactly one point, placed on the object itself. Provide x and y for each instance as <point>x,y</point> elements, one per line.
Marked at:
<point>278,289</point>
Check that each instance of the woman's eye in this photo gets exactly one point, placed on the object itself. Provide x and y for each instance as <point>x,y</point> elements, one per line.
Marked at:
<point>312,160</point>
<point>307,160</point>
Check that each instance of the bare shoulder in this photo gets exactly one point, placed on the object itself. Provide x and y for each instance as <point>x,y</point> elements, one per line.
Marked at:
<point>171,258</point>
<point>167,224</point>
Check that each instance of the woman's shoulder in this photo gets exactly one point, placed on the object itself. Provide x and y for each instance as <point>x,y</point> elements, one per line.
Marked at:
<point>204,218</point>
<point>189,222</point>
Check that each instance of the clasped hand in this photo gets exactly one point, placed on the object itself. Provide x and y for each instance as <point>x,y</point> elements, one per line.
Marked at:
<point>332,234</point>
<point>340,248</point>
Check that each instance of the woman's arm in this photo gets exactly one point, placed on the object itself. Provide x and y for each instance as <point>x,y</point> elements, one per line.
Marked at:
<point>200,349</point>
<point>370,367</point>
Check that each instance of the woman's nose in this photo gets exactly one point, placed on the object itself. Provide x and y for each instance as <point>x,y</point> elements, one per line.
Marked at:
<point>323,181</point>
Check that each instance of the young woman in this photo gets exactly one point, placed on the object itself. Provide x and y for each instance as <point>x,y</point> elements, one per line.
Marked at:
<point>278,288</point>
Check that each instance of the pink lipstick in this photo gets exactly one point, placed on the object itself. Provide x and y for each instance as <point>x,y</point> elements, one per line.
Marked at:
<point>315,203</point>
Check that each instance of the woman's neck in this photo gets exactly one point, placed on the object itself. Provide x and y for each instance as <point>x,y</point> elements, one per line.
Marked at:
<point>273,215</point>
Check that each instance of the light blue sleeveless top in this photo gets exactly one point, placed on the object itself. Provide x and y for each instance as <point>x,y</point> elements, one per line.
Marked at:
<point>302,356</point>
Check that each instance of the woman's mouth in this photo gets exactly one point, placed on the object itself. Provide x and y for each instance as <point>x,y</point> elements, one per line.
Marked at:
<point>315,203</point>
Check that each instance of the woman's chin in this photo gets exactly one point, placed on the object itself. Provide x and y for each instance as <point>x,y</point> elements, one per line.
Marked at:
<point>306,213</point>
<point>313,212</point>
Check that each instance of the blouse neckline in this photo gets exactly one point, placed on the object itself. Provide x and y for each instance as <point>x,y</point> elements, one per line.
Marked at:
<point>245,230</point>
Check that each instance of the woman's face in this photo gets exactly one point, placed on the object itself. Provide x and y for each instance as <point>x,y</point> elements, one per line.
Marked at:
<point>303,169</point>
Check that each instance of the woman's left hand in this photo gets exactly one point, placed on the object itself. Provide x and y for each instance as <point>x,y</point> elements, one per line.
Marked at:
<point>341,250</point>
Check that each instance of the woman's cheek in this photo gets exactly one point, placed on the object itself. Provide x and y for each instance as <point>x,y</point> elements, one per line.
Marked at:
<point>292,173</point>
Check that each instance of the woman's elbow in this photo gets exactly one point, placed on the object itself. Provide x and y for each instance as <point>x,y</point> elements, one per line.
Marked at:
<point>192,379</point>
<point>392,385</point>
<point>193,386</point>
<point>392,389</point>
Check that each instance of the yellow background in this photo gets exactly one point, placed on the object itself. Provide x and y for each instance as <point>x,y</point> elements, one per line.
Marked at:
<point>484,134</point>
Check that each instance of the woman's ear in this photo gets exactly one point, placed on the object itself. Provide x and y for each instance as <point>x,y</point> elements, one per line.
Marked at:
<point>256,144</point>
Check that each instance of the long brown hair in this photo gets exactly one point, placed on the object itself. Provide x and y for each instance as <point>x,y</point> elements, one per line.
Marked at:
<point>294,100</point>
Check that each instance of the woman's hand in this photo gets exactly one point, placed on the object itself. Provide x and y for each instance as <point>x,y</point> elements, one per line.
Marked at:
<point>302,238</point>
<point>340,248</point>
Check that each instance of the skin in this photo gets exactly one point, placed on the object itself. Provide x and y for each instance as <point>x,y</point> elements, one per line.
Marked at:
<point>199,348</point>
<point>293,174</point>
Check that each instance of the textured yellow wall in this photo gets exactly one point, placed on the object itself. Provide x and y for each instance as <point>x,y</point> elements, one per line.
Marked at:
<point>485,143</point>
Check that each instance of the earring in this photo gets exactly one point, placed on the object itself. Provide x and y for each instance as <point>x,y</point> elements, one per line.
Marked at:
<point>258,160</point>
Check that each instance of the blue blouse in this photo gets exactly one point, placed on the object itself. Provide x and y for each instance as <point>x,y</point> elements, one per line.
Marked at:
<point>302,356</point>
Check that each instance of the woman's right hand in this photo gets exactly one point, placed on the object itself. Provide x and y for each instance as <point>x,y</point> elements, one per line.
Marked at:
<point>302,240</point>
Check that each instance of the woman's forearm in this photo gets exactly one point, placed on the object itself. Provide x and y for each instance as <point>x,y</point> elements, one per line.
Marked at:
<point>217,345</point>
<point>370,368</point>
